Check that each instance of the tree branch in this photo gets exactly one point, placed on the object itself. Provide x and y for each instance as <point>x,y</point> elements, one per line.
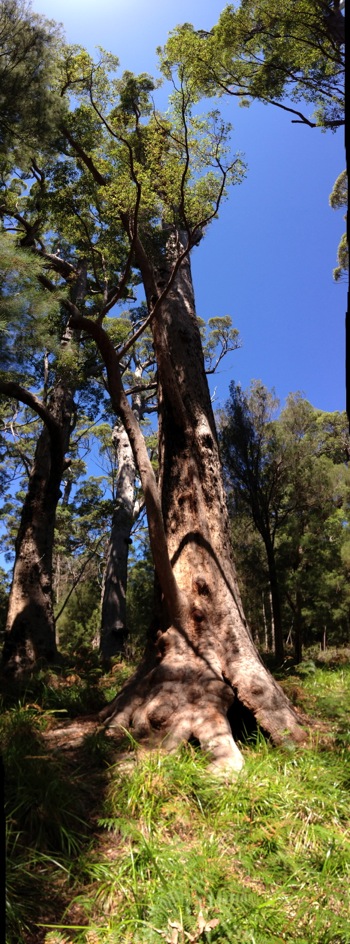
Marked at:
<point>123,409</point>
<point>77,579</point>
<point>84,157</point>
<point>12,389</point>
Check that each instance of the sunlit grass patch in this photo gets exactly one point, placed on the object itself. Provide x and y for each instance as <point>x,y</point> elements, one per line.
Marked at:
<point>257,856</point>
<point>329,690</point>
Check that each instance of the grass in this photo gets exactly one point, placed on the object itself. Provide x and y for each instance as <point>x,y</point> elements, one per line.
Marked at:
<point>152,849</point>
<point>71,689</point>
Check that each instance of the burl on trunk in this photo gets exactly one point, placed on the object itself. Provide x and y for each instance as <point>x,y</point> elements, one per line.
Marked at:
<point>201,660</point>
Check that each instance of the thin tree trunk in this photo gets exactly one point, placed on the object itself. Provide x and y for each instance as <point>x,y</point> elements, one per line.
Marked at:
<point>201,660</point>
<point>266,638</point>
<point>114,630</point>
<point>276,620</point>
<point>298,629</point>
<point>272,626</point>
<point>114,627</point>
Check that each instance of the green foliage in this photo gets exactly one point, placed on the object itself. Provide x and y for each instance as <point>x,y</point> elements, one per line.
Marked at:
<point>339,198</point>
<point>140,598</point>
<point>315,532</point>
<point>173,167</point>
<point>263,50</point>
<point>239,855</point>
<point>289,484</point>
<point>74,688</point>
<point>28,313</point>
<point>218,337</point>
<point>45,825</point>
<point>42,807</point>
<point>29,108</point>
<point>80,622</point>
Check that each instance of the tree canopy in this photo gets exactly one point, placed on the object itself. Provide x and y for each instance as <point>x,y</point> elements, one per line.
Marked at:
<point>271,52</point>
<point>29,47</point>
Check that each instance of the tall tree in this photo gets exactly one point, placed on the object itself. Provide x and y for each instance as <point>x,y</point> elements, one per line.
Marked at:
<point>256,472</point>
<point>218,337</point>
<point>30,625</point>
<point>311,536</point>
<point>289,477</point>
<point>70,244</point>
<point>156,182</point>
<point>153,177</point>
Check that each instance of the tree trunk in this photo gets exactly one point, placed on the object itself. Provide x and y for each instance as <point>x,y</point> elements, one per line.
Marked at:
<point>272,626</point>
<point>114,628</point>
<point>201,661</point>
<point>275,600</point>
<point>298,629</point>
<point>266,638</point>
<point>30,624</point>
<point>114,631</point>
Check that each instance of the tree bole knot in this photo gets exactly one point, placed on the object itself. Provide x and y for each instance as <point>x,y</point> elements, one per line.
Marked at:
<point>160,711</point>
<point>197,613</point>
<point>257,691</point>
<point>158,720</point>
<point>188,496</point>
<point>207,441</point>
<point>162,644</point>
<point>200,585</point>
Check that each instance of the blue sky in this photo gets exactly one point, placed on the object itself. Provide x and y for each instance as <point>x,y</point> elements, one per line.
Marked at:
<point>268,260</point>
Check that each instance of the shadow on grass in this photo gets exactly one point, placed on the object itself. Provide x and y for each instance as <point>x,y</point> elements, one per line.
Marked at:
<point>53,795</point>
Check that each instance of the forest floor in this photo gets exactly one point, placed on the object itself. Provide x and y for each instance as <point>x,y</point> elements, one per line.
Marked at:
<point>109,845</point>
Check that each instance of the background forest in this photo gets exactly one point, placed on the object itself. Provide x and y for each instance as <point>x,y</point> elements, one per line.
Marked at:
<point>113,507</point>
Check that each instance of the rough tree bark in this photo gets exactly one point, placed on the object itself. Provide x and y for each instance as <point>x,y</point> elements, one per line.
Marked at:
<point>200,662</point>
